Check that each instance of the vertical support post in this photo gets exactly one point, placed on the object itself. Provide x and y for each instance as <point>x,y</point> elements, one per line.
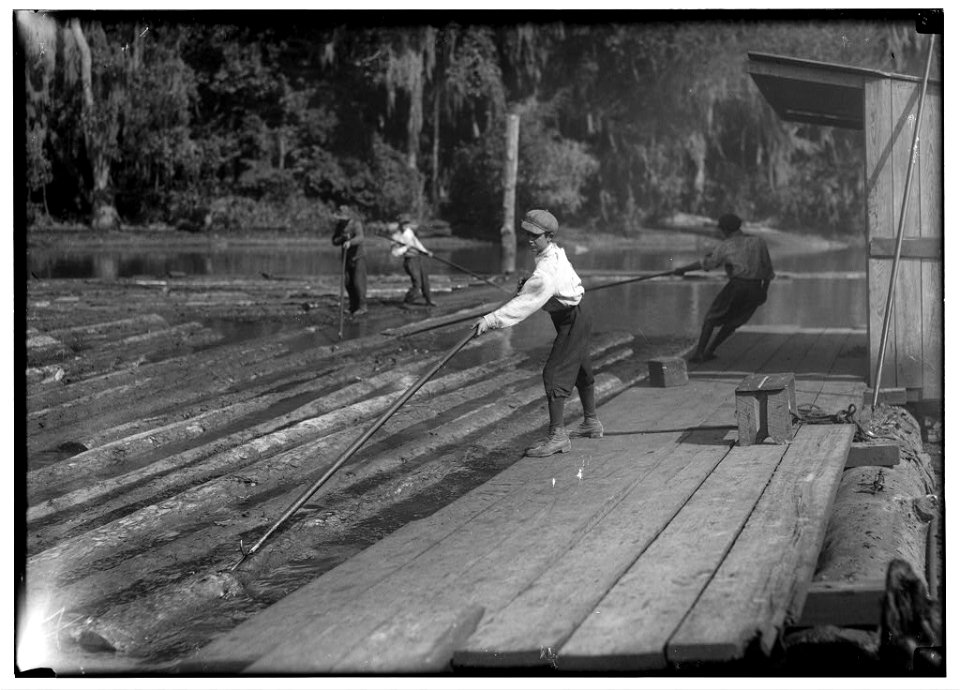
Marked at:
<point>884,332</point>
<point>508,234</point>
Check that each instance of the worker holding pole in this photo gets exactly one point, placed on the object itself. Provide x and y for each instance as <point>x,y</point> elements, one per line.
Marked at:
<point>408,246</point>
<point>555,287</point>
<point>348,235</point>
<point>749,269</point>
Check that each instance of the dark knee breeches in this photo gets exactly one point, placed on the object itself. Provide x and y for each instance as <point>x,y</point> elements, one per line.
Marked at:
<point>569,362</point>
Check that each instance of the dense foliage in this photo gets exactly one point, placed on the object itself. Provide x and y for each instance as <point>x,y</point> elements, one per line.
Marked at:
<point>272,119</point>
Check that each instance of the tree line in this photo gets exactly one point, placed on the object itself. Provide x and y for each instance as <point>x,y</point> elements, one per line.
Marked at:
<point>237,121</point>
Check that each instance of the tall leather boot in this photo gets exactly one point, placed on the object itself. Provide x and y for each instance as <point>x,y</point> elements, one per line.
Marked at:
<point>557,441</point>
<point>590,427</point>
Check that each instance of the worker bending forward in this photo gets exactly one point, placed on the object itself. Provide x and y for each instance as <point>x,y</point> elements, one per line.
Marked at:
<point>555,287</point>
<point>749,269</point>
<point>407,245</point>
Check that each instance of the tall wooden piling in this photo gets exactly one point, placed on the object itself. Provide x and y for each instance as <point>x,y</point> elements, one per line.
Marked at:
<point>508,235</point>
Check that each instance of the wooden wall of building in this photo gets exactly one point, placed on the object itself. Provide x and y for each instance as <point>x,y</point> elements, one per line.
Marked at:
<point>914,351</point>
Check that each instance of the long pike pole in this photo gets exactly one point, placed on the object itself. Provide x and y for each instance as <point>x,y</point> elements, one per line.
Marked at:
<point>903,212</point>
<point>343,277</point>
<point>631,280</point>
<point>347,454</point>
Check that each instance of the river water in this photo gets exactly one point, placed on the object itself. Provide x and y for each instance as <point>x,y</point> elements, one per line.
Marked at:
<point>824,289</point>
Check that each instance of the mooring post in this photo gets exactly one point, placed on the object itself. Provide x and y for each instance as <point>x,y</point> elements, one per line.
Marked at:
<point>508,235</point>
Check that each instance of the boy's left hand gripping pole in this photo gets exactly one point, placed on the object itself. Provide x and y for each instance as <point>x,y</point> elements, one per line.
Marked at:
<point>397,404</point>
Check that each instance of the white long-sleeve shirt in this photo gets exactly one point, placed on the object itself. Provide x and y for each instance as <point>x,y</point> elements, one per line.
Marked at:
<point>408,238</point>
<point>553,285</point>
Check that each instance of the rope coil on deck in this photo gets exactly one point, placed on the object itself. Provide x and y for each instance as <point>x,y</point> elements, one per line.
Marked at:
<point>809,413</point>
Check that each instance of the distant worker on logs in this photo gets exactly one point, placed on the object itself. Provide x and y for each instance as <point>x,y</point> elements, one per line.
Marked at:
<point>555,287</point>
<point>408,246</point>
<point>348,235</point>
<point>749,269</point>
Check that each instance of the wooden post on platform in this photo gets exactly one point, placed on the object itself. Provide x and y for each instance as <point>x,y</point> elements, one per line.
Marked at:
<point>765,404</point>
<point>508,234</point>
<point>667,371</point>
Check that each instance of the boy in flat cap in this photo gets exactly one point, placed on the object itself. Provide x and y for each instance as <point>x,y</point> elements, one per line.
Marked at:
<point>555,287</point>
<point>348,235</point>
<point>749,269</point>
<point>406,244</point>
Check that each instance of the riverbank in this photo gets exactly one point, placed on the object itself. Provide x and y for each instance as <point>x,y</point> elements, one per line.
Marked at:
<point>683,232</point>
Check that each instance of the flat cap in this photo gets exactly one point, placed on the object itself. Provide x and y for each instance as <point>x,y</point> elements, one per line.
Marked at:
<point>538,222</point>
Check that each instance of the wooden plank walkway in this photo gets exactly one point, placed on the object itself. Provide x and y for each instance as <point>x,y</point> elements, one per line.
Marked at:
<point>662,543</point>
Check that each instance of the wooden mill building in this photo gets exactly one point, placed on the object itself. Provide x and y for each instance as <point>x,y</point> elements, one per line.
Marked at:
<point>884,107</point>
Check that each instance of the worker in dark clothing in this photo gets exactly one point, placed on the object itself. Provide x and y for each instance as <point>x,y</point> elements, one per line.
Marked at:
<point>556,288</point>
<point>407,245</point>
<point>348,235</point>
<point>749,269</point>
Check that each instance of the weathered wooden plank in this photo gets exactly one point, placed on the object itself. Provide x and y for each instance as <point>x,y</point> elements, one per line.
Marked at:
<point>742,354</point>
<point>501,550</point>
<point>910,248</point>
<point>931,279</point>
<point>420,641</point>
<point>843,604</point>
<point>764,577</point>
<point>792,355</point>
<point>930,163</point>
<point>909,328</point>
<point>531,628</point>
<point>881,222</point>
<point>629,627</point>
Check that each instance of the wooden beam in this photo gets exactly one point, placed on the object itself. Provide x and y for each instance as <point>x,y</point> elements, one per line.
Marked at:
<point>885,454</point>
<point>842,604</point>
<point>912,248</point>
<point>667,371</point>
<point>881,221</point>
<point>805,73</point>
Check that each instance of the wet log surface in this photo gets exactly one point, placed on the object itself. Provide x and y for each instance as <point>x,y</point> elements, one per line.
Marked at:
<point>172,420</point>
